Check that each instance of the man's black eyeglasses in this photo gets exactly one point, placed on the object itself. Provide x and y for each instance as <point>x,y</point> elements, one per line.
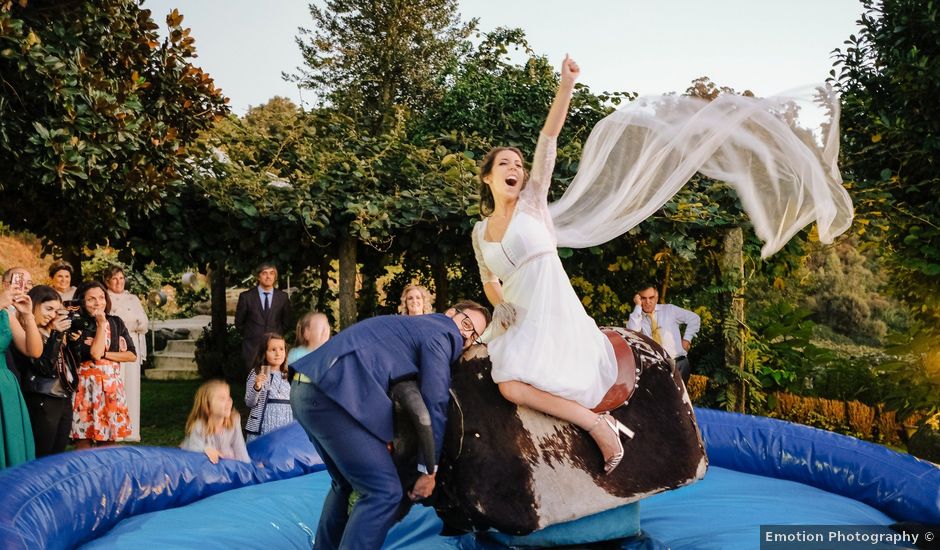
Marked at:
<point>467,324</point>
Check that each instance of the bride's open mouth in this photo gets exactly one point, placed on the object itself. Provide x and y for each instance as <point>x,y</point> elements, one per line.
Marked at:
<point>511,181</point>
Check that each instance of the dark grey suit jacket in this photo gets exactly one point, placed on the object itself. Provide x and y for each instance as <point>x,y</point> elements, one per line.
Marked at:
<point>253,322</point>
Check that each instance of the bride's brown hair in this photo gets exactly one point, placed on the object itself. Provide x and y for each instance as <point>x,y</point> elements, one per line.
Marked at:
<point>487,202</point>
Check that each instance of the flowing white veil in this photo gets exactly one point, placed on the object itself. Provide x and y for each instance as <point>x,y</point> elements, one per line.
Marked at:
<point>778,153</point>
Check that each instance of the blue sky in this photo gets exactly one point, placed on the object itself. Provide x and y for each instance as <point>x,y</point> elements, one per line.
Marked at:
<point>649,47</point>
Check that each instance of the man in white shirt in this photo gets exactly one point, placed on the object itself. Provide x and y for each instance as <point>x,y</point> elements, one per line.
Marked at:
<point>661,323</point>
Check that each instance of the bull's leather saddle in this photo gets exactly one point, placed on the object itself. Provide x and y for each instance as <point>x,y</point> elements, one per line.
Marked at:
<point>619,394</point>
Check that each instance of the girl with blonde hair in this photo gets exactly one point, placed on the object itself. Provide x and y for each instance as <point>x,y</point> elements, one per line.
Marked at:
<point>214,426</point>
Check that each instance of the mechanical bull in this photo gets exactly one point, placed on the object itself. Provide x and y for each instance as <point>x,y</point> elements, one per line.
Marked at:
<point>516,470</point>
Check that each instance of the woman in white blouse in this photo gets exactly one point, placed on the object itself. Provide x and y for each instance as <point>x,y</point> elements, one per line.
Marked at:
<point>128,307</point>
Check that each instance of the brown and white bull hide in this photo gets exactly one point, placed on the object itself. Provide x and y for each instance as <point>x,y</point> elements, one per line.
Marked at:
<point>518,470</point>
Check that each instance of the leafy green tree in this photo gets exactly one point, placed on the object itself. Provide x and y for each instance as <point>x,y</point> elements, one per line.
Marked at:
<point>96,115</point>
<point>494,100</point>
<point>374,62</point>
<point>889,77</point>
<point>368,57</point>
<point>847,293</point>
<point>239,201</point>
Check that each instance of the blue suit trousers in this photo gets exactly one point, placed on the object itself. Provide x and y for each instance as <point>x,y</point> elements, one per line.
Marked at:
<point>356,460</point>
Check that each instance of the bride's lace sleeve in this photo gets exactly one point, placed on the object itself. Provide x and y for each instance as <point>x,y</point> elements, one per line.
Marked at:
<point>534,198</point>
<point>543,164</point>
<point>486,276</point>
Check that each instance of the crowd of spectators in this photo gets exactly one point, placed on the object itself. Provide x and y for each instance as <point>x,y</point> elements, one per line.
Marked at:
<point>69,363</point>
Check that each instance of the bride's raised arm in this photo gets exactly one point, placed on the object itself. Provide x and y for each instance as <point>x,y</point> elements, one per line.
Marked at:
<point>559,110</point>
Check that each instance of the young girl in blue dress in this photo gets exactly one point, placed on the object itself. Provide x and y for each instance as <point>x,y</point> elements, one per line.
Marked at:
<point>267,390</point>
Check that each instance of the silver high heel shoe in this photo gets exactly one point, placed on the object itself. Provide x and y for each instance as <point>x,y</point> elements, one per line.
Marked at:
<point>618,428</point>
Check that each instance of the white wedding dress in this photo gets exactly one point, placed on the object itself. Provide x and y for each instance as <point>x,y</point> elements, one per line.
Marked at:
<point>779,155</point>
<point>553,345</point>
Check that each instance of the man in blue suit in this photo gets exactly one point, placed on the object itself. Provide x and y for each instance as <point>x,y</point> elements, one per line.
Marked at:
<point>340,395</point>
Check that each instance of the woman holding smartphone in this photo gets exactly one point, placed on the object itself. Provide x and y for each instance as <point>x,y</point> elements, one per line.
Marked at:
<point>99,413</point>
<point>16,434</point>
<point>49,380</point>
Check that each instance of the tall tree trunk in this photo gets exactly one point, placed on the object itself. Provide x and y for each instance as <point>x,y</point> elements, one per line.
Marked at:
<point>347,281</point>
<point>731,264</point>
<point>75,257</point>
<point>321,304</point>
<point>441,289</point>
<point>666,279</point>
<point>218,305</point>
<point>368,298</point>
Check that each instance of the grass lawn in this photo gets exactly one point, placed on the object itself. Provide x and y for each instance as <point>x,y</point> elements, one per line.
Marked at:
<point>164,406</point>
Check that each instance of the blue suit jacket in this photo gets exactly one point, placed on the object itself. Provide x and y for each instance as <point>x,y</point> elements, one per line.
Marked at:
<point>356,367</point>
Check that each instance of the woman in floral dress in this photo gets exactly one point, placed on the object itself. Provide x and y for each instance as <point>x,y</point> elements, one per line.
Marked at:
<point>99,414</point>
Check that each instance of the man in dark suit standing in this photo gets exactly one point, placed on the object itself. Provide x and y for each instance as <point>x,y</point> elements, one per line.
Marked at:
<point>340,395</point>
<point>261,310</point>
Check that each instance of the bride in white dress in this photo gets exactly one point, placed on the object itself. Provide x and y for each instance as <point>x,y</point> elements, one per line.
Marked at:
<point>552,357</point>
<point>774,152</point>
